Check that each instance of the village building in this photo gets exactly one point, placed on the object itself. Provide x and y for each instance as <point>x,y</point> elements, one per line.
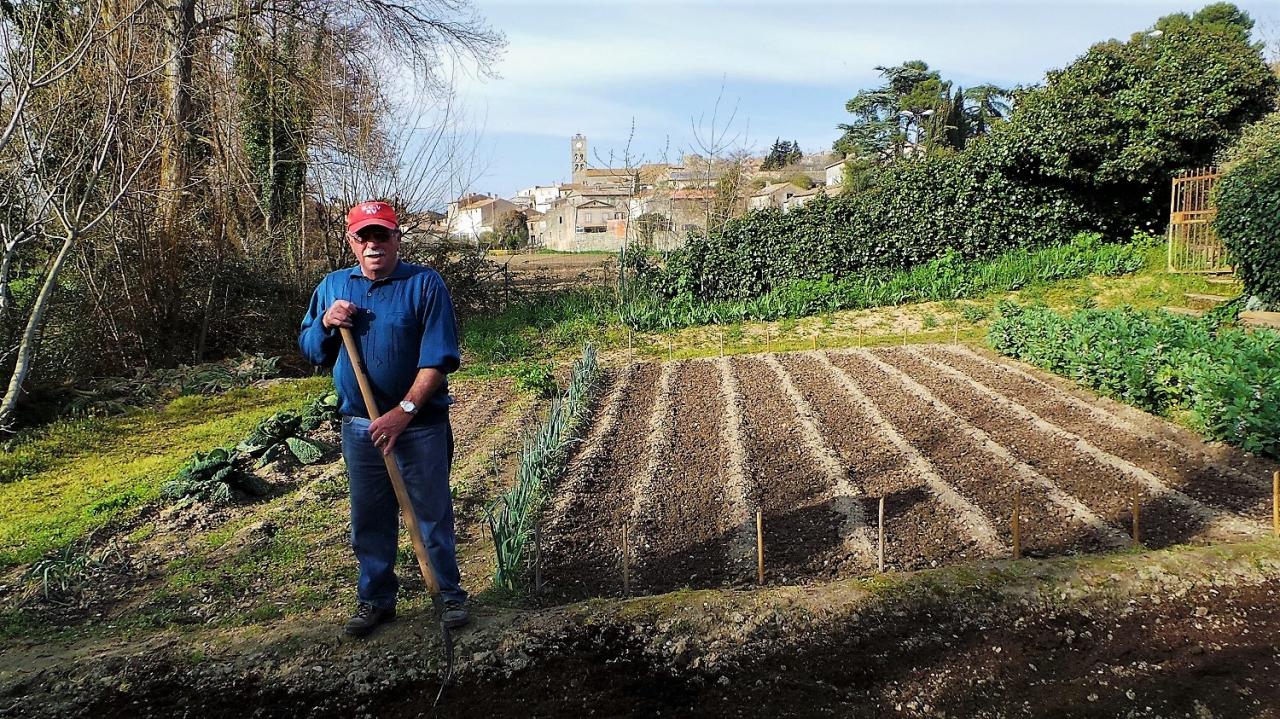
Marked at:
<point>773,195</point>
<point>800,198</point>
<point>835,173</point>
<point>473,215</point>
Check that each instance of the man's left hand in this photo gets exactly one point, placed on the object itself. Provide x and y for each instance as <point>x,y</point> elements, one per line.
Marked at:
<point>385,430</point>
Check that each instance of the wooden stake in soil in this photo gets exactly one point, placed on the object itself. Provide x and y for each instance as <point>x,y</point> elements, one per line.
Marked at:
<point>1137,514</point>
<point>721,343</point>
<point>815,343</point>
<point>1017,523</point>
<point>1275,503</point>
<point>955,333</point>
<point>759,547</point>
<point>537,559</point>
<point>669,345</point>
<point>626,564</point>
<point>880,544</point>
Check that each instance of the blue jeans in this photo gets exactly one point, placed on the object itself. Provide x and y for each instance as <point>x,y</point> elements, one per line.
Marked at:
<point>423,453</point>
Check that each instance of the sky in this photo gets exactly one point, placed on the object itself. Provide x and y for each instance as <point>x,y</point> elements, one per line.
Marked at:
<point>780,69</point>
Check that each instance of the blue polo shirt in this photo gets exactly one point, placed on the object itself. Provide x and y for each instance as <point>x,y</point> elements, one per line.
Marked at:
<point>405,323</point>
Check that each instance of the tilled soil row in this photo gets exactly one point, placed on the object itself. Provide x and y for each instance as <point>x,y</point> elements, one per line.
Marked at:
<point>683,535</point>
<point>1105,487</point>
<point>919,531</point>
<point>581,557</point>
<point>474,411</point>
<point>786,484</point>
<point>1234,461</point>
<point>1195,476</point>
<point>962,462</point>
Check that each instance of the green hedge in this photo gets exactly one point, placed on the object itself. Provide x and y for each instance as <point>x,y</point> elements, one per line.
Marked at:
<point>915,212</point>
<point>1226,380</point>
<point>949,277</point>
<point>1248,201</point>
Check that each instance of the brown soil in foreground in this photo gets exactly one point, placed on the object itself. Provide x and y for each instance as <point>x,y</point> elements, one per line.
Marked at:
<point>1188,633</point>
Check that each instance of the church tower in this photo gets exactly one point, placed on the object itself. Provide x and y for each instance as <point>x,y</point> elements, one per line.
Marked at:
<point>578,151</point>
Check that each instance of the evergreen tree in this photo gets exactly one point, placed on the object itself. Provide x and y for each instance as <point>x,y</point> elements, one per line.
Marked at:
<point>793,153</point>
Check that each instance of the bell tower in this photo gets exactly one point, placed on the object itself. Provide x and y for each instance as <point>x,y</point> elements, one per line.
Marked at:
<point>578,153</point>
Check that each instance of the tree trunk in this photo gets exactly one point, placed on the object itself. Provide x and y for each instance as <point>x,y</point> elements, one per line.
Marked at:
<point>31,336</point>
<point>175,169</point>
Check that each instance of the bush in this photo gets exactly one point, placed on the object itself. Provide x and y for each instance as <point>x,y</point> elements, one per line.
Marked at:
<point>1121,119</point>
<point>1225,379</point>
<point>1248,201</point>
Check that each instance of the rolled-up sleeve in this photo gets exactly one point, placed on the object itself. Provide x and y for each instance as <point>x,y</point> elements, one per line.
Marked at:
<point>318,344</point>
<point>439,348</point>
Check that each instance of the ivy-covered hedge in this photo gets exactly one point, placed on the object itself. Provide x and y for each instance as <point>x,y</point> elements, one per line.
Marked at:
<point>916,211</point>
<point>949,277</point>
<point>1227,380</point>
<point>1248,201</point>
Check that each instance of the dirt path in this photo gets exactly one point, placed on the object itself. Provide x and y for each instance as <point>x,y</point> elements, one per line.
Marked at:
<point>1160,634</point>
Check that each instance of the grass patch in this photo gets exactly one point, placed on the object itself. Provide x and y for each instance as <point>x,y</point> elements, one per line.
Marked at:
<point>92,471</point>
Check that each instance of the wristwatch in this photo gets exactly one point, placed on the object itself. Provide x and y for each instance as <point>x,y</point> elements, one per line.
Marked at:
<point>408,406</point>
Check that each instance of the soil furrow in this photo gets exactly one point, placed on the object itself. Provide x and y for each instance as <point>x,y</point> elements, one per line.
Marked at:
<point>617,384</point>
<point>871,400</point>
<point>1078,513</point>
<point>802,526</point>
<point>919,529</point>
<point>846,498</point>
<point>988,484</point>
<point>1106,483</point>
<point>682,528</point>
<point>581,557</point>
<point>736,483</point>
<point>1199,476</point>
<point>1224,457</point>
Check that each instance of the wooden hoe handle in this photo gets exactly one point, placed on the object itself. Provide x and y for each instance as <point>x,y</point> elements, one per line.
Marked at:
<point>393,470</point>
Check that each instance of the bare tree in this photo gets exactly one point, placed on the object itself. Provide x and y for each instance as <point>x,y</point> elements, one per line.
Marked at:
<point>78,170</point>
<point>721,150</point>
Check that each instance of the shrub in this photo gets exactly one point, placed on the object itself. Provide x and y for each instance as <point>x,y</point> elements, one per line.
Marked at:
<point>1248,200</point>
<point>1225,379</point>
<point>1117,122</point>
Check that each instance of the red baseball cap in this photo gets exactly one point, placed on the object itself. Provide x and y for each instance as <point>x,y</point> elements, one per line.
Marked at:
<point>372,213</point>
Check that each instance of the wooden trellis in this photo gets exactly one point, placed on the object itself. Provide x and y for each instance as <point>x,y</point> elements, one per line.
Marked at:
<point>1193,245</point>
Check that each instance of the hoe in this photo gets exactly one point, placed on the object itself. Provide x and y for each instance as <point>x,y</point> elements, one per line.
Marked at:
<point>406,508</point>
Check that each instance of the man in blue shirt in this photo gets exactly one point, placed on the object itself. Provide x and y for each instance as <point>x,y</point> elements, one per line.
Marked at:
<point>402,317</point>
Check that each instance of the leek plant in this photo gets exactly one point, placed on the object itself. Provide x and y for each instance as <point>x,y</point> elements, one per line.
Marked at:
<point>542,458</point>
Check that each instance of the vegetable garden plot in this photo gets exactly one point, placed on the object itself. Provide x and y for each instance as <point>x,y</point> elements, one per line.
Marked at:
<point>685,453</point>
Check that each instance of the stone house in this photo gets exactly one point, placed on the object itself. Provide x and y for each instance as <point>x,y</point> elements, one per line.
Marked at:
<point>773,195</point>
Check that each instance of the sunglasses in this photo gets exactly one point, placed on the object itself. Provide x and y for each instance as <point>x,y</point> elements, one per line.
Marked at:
<point>385,236</point>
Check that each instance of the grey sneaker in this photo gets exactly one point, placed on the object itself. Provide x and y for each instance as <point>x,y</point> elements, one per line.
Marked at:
<point>455,614</point>
<point>366,618</point>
